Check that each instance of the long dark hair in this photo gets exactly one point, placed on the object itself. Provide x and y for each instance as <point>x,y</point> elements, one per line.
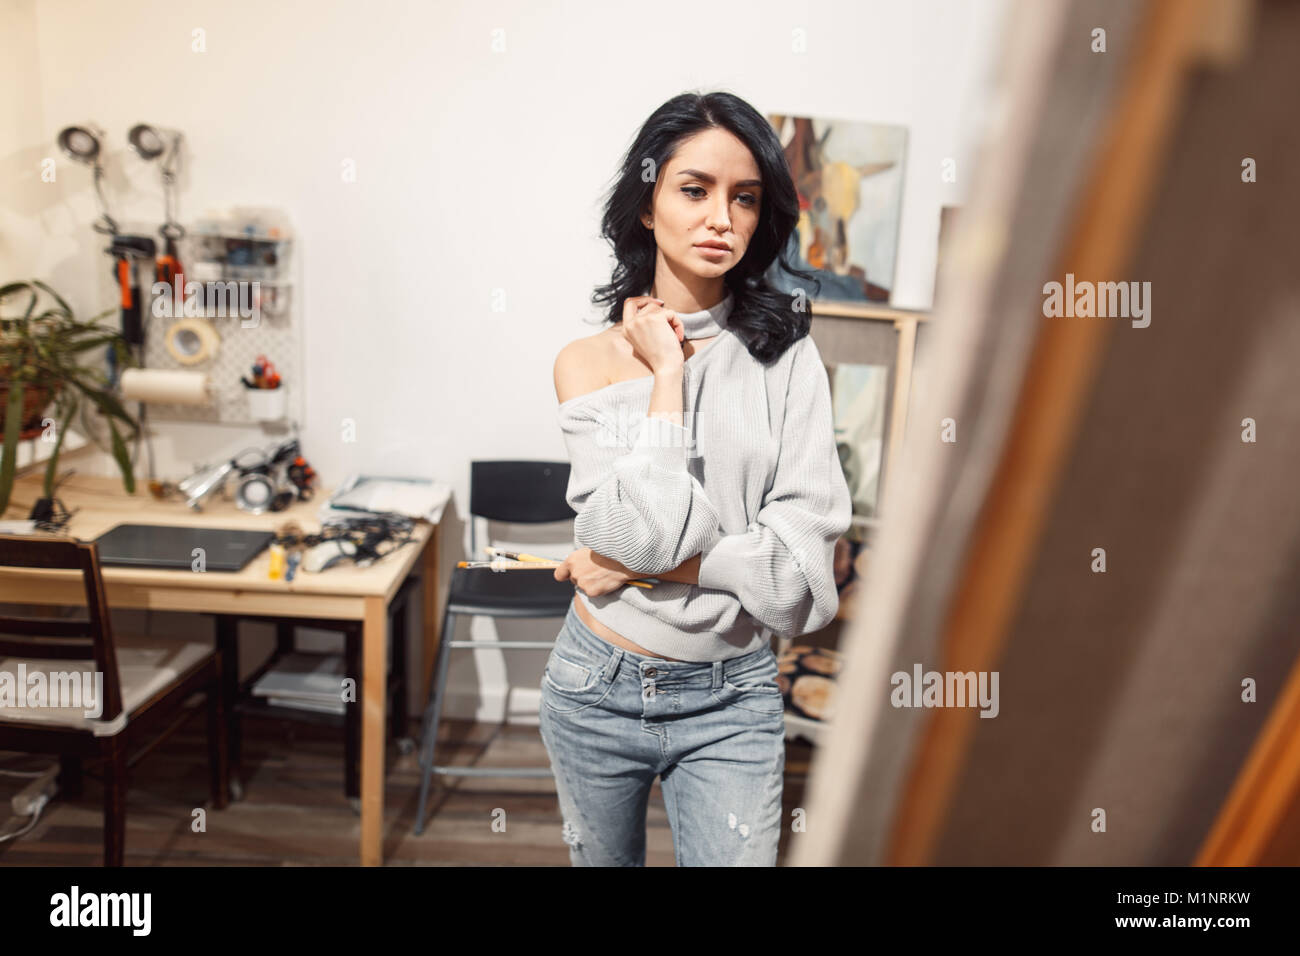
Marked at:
<point>763,316</point>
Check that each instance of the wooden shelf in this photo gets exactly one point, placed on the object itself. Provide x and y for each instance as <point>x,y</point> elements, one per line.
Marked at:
<point>882,313</point>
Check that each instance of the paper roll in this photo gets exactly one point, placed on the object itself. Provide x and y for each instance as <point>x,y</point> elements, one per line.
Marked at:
<point>177,386</point>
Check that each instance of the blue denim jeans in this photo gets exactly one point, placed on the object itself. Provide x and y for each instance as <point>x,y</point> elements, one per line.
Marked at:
<point>714,733</point>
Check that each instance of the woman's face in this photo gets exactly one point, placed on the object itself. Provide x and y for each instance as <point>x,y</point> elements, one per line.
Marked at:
<point>708,192</point>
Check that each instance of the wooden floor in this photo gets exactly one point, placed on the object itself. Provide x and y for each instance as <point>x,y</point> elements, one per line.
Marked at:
<point>294,812</point>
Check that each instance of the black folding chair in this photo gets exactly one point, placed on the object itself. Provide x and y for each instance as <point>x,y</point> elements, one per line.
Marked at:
<point>519,492</point>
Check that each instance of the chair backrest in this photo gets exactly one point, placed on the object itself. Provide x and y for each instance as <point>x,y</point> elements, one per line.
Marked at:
<point>519,492</point>
<point>74,639</point>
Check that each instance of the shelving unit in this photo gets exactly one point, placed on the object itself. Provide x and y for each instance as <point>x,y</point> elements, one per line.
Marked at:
<point>905,323</point>
<point>219,251</point>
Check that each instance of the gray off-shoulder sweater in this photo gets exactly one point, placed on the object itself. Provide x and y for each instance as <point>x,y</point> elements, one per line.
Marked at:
<point>751,481</point>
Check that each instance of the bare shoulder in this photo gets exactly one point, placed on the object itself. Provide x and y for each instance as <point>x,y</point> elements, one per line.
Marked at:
<point>581,366</point>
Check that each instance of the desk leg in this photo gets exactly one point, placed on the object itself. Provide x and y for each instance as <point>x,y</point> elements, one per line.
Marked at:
<point>374,671</point>
<point>228,645</point>
<point>432,619</point>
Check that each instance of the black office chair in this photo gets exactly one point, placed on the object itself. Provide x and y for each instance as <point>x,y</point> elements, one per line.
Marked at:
<point>520,492</point>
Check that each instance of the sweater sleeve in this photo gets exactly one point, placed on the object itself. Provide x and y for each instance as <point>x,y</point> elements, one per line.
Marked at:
<point>782,569</point>
<point>641,506</point>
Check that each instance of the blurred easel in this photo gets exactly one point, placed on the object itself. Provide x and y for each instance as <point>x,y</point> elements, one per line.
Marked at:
<point>971,520</point>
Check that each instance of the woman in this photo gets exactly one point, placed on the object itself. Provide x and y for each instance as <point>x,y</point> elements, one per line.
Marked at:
<point>703,455</point>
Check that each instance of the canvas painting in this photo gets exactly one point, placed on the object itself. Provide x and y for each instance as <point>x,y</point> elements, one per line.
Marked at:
<point>849,176</point>
<point>858,398</point>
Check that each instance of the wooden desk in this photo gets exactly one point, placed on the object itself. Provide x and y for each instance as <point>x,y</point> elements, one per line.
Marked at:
<point>341,593</point>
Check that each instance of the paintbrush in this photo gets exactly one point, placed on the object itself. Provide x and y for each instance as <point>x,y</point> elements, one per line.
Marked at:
<point>517,560</point>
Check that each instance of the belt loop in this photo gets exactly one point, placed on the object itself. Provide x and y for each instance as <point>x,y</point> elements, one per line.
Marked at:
<point>611,666</point>
<point>717,675</point>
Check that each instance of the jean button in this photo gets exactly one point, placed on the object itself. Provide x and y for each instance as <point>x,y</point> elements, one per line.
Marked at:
<point>650,672</point>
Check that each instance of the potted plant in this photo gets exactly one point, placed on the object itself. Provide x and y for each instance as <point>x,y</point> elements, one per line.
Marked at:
<point>39,364</point>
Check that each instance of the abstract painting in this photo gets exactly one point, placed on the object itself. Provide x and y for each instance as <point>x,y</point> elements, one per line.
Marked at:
<point>858,399</point>
<point>849,176</point>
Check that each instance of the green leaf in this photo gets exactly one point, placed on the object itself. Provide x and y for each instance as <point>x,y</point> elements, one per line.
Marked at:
<point>123,459</point>
<point>57,298</point>
<point>52,464</point>
<point>9,454</point>
<point>89,344</point>
<point>106,403</point>
<point>13,287</point>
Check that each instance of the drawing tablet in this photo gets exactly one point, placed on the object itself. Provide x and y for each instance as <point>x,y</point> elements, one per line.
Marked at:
<point>172,546</point>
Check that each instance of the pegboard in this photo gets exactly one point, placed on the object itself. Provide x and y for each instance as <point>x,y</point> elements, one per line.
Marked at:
<point>277,334</point>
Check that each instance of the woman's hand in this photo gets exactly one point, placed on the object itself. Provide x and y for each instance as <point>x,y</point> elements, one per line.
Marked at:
<point>655,332</point>
<point>594,574</point>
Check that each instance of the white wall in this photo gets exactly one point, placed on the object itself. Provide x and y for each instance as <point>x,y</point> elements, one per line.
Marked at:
<point>478,180</point>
